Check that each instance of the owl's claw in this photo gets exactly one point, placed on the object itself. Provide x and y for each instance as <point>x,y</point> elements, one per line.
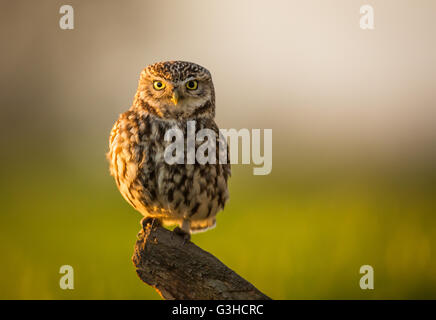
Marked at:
<point>152,221</point>
<point>186,236</point>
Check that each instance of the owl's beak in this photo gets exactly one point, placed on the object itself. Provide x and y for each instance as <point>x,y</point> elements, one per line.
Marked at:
<point>175,97</point>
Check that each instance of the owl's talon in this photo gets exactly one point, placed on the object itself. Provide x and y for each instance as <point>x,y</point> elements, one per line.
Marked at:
<point>186,236</point>
<point>148,220</point>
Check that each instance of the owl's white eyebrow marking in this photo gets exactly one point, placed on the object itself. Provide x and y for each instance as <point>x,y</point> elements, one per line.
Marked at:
<point>189,79</point>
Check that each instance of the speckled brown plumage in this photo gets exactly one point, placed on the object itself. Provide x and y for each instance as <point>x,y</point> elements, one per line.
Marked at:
<point>189,195</point>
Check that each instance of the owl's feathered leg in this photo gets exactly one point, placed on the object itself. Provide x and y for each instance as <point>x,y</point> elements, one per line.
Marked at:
<point>184,230</point>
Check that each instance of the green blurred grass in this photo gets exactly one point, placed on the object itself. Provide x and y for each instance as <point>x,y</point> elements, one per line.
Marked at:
<point>294,236</point>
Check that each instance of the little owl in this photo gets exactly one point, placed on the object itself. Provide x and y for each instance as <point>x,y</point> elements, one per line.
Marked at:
<point>188,195</point>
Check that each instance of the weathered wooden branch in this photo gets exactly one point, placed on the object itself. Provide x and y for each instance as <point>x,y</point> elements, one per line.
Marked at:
<point>179,270</point>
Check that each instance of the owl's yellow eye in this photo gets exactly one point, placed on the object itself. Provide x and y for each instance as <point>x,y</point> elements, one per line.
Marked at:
<point>192,84</point>
<point>158,85</point>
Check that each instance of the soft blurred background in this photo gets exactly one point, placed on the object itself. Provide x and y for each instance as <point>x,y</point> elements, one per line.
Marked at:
<point>354,142</point>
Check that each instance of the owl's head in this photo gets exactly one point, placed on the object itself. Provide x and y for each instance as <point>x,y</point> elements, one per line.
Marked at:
<point>176,90</point>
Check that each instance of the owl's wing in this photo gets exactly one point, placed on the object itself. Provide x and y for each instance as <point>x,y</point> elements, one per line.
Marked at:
<point>115,148</point>
<point>126,151</point>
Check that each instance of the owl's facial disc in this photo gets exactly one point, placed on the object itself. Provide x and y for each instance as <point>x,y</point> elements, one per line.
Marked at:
<point>174,96</point>
<point>189,93</point>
